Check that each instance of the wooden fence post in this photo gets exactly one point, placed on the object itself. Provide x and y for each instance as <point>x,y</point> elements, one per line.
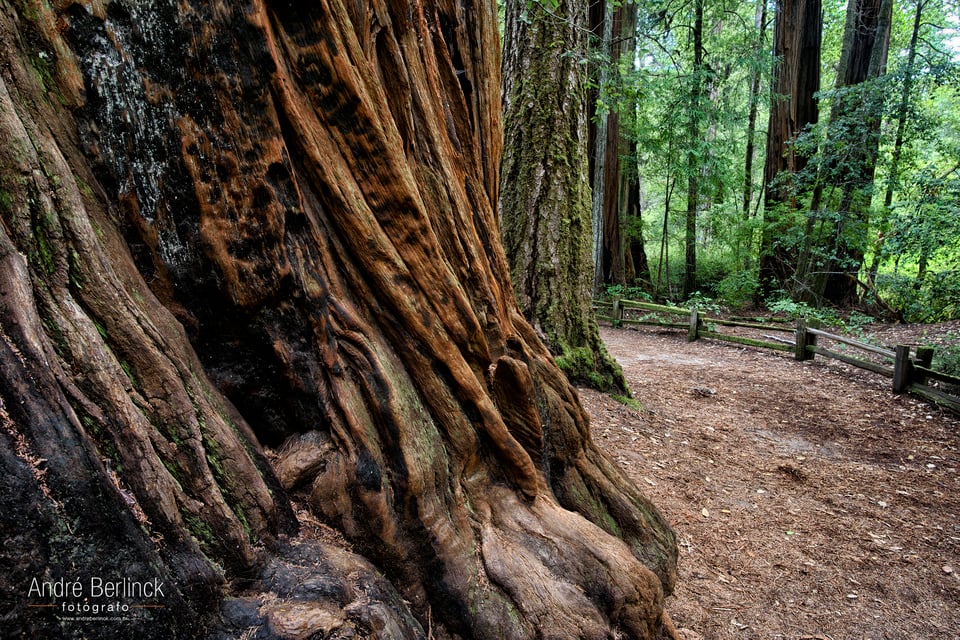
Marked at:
<point>901,369</point>
<point>803,340</point>
<point>617,313</point>
<point>925,360</point>
<point>694,326</point>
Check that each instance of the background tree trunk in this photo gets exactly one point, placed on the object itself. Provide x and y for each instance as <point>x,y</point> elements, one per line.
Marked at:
<point>638,267</point>
<point>230,226</point>
<point>797,39</point>
<point>545,203</point>
<point>896,154</point>
<point>760,25</point>
<point>865,46</point>
<point>611,152</point>
<point>694,157</point>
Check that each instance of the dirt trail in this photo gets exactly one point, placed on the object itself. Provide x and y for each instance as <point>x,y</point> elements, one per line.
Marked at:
<point>810,502</point>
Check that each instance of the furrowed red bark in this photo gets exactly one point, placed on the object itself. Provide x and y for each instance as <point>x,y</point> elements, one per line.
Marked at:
<point>230,226</point>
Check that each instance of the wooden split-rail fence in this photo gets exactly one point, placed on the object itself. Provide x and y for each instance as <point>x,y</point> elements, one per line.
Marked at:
<point>910,372</point>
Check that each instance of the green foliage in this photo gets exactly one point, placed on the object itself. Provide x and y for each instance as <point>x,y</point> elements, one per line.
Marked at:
<point>919,255</point>
<point>701,302</point>
<point>737,289</point>
<point>856,322</point>
<point>622,291</point>
<point>934,298</point>
<point>946,357</point>
<point>910,250</point>
<point>927,225</point>
<point>782,304</point>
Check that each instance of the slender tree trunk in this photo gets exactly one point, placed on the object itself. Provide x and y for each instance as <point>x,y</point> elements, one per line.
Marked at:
<point>760,26</point>
<point>893,176</point>
<point>621,148</point>
<point>230,226</point>
<point>601,25</point>
<point>638,262</point>
<point>694,132</point>
<point>545,195</point>
<point>921,270</point>
<point>663,269</point>
<point>797,40</point>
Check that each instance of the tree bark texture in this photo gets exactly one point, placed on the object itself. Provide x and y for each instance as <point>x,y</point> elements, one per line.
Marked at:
<point>545,197</point>
<point>600,20</point>
<point>227,226</point>
<point>797,41</point>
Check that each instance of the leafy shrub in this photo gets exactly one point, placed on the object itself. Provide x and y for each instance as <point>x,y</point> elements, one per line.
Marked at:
<point>856,322</point>
<point>946,358</point>
<point>781,303</point>
<point>738,288</point>
<point>711,271</point>
<point>935,298</point>
<point>611,291</point>
<point>701,302</point>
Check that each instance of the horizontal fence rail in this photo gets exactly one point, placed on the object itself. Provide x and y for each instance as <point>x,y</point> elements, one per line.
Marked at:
<point>909,374</point>
<point>889,353</point>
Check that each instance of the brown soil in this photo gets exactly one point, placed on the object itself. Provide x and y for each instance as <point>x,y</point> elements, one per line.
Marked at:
<point>810,502</point>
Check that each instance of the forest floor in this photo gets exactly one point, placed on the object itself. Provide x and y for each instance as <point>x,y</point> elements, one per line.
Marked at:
<point>809,501</point>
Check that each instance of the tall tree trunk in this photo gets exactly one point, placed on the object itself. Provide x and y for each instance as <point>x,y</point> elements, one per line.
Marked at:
<point>545,193</point>
<point>694,131</point>
<point>893,174</point>
<point>612,254</point>
<point>234,225</point>
<point>639,266</point>
<point>864,58</point>
<point>663,266</point>
<point>610,175</point>
<point>796,79</point>
<point>760,27</point>
<point>630,253</point>
<point>601,26</point>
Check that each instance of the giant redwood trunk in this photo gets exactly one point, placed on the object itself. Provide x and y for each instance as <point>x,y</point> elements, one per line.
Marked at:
<point>251,280</point>
<point>793,107</point>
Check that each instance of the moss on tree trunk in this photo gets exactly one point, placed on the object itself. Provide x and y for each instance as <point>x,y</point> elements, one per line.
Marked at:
<point>545,201</point>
